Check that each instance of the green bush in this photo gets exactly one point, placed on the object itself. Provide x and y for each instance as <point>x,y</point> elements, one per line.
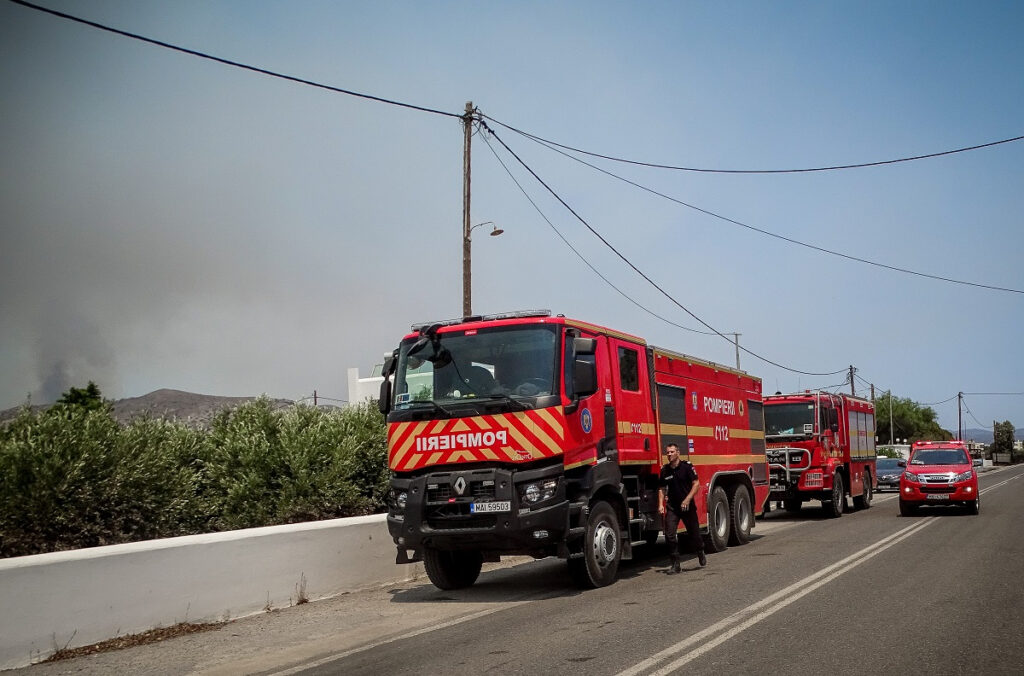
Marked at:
<point>73,477</point>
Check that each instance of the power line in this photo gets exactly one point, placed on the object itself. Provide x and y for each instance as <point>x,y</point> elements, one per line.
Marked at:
<point>634,267</point>
<point>235,64</point>
<point>579,255</point>
<point>768,232</point>
<point>996,394</point>
<point>654,165</point>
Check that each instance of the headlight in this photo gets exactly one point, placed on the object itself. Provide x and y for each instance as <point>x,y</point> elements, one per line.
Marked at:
<point>910,476</point>
<point>400,500</point>
<point>539,491</point>
<point>963,477</point>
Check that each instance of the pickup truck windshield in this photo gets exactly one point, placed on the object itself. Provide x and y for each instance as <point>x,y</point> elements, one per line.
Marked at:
<point>515,365</point>
<point>939,456</point>
<point>789,420</point>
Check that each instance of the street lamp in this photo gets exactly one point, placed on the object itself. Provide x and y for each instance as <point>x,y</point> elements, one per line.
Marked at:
<point>467,273</point>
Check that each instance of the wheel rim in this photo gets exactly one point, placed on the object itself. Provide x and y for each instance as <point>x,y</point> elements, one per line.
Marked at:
<point>720,520</point>
<point>606,543</point>
<point>744,515</point>
<point>837,491</point>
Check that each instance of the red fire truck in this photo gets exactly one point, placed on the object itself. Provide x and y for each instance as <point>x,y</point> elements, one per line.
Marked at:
<point>524,433</point>
<point>821,446</point>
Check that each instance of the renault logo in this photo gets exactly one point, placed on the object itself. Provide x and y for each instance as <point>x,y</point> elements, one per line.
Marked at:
<point>460,485</point>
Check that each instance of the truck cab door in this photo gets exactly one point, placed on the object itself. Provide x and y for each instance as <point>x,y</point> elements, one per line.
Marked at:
<point>630,412</point>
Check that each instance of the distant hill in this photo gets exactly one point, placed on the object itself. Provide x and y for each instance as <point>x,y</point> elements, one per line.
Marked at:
<point>985,436</point>
<point>196,410</point>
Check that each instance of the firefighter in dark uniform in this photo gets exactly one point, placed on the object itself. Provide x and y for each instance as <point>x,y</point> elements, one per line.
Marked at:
<point>679,485</point>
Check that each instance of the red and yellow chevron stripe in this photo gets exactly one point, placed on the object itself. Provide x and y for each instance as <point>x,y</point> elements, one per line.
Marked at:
<point>523,436</point>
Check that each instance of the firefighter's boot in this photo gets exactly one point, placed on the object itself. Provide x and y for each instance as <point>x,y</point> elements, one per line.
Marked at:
<point>675,565</point>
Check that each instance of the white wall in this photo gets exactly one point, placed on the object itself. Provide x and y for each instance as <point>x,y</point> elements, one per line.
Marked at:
<point>81,597</point>
<point>361,389</point>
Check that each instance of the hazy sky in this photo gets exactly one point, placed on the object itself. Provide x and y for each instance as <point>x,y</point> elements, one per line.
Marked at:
<point>168,221</point>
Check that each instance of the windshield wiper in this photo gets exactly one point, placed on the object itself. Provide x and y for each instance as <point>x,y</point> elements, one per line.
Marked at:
<point>433,404</point>
<point>507,399</point>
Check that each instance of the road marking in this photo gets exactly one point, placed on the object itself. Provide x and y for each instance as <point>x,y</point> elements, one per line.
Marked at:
<point>423,630</point>
<point>757,612</point>
<point>764,608</point>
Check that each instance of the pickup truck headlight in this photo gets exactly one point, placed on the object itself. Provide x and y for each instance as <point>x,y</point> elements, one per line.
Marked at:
<point>910,476</point>
<point>963,477</point>
<point>539,491</point>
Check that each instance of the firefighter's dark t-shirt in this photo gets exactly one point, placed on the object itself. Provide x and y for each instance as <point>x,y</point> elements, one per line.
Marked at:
<point>677,482</point>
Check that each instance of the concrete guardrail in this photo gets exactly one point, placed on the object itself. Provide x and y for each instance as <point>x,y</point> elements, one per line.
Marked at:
<point>76,598</point>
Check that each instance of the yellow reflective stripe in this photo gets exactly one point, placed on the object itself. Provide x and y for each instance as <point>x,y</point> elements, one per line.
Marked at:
<point>746,434</point>
<point>701,431</point>
<point>725,459</point>
<point>670,428</point>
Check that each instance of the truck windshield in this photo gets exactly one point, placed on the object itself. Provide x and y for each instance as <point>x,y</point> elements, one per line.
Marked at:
<point>789,420</point>
<point>514,365</point>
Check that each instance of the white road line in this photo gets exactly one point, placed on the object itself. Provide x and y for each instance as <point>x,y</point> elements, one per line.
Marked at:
<point>757,612</point>
<point>423,630</point>
<point>740,618</point>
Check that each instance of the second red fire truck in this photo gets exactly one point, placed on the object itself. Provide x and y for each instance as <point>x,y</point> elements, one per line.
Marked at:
<point>526,433</point>
<point>821,446</point>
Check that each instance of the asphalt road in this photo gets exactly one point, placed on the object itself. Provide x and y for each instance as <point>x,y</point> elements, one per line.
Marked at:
<point>871,592</point>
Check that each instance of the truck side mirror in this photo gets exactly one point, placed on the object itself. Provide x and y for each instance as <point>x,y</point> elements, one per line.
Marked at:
<point>834,427</point>
<point>384,402</point>
<point>584,346</point>
<point>584,378</point>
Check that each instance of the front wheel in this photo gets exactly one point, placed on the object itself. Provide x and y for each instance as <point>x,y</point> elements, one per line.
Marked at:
<point>452,570</point>
<point>974,507</point>
<point>907,509</point>
<point>834,507</point>
<point>602,549</point>
<point>741,516</point>
<point>718,520</point>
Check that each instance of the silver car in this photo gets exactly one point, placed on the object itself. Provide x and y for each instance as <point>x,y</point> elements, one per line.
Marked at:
<point>889,470</point>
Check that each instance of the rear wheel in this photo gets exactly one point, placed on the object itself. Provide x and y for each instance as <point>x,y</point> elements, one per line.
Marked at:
<point>741,516</point>
<point>834,507</point>
<point>863,501</point>
<point>452,570</point>
<point>907,509</point>
<point>602,549</point>
<point>718,520</point>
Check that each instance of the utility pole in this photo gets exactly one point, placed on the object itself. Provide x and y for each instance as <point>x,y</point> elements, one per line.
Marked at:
<point>467,282</point>
<point>872,392</point>
<point>959,416</point>
<point>853,387</point>
<point>736,339</point>
<point>890,417</point>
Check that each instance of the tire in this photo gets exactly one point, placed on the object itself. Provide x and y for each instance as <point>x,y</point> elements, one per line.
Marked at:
<point>974,507</point>
<point>718,521</point>
<point>602,549</point>
<point>792,505</point>
<point>452,570</point>
<point>863,501</point>
<point>907,509</point>
<point>741,515</point>
<point>834,507</point>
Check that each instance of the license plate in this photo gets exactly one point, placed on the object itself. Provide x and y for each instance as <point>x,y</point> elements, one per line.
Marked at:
<point>937,496</point>
<point>495,506</point>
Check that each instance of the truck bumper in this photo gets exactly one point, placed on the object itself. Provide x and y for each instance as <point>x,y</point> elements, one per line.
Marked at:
<point>488,514</point>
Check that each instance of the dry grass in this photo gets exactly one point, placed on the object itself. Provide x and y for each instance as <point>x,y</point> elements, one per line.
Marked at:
<point>144,638</point>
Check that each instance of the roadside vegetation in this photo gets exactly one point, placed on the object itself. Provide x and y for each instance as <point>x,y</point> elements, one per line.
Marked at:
<point>72,476</point>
